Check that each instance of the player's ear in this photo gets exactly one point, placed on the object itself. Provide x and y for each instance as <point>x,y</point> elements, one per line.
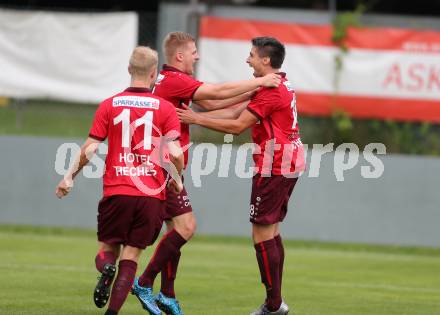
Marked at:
<point>130,71</point>
<point>153,74</point>
<point>266,61</point>
<point>179,56</point>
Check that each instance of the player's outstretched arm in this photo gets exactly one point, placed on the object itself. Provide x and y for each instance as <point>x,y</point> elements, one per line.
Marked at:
<point>88,149</point>
<point>234,126</point>
<point>232,112</point>
<point>221,91</point>
<point>210,105</point>
<point>177,164</point>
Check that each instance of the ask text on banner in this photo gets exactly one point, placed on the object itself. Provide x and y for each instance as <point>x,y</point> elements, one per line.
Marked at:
<point>387,73</point>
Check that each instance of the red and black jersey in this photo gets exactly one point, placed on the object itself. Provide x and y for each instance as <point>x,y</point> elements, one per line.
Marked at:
<point>277,132</point>
<point>137,125</point>
<point>178,88</point>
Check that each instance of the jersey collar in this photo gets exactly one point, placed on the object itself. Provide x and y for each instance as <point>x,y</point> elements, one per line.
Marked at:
<point>282,74</point>
<point>166,67</point>
<point>137,90</point>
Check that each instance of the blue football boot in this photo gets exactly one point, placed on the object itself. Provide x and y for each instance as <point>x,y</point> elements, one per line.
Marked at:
<point>170,306</point>
<point>146,297</point>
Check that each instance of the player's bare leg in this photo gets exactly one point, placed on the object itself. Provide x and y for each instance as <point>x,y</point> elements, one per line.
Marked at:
<point>131,253</point>
<point>261,233</point>
<point>277,229</point>
<point>184,224</point>
<point>268,257</point>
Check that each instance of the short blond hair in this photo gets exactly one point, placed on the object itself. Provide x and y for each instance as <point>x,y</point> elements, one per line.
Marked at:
<point>143,60</point>
<point>173,41</point>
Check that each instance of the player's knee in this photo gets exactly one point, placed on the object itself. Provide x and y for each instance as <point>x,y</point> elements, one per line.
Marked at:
<point>255,237</point>
<point>188,228</point>
<point>192,226</point>
<point>115,249</point>
<point>131,253</point>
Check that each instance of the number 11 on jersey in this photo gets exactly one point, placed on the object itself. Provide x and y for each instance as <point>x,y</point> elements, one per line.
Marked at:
<point>147,120</point>
<point>294,112</point>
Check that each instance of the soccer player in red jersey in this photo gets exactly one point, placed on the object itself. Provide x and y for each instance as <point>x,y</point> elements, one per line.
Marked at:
<point>176,84</point>
<point>137,125</point>
<point>278,157</point>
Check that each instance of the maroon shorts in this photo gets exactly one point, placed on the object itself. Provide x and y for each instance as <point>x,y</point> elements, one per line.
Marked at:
<point>269,198</point>
<point>176,205</point>
<point>130,220</point>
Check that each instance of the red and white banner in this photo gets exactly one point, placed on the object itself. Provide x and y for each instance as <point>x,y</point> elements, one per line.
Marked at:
<point>387,73</point>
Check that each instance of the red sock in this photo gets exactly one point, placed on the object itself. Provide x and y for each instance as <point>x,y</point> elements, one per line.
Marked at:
<point>269,263</point>
<point>168,247</point>
<point>122,284</point>
<point>103,258</point>
<point>168,275</point>
<point>280,247</point>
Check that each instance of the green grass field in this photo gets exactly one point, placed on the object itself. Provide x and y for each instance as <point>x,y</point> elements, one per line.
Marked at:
<point>51,271</point>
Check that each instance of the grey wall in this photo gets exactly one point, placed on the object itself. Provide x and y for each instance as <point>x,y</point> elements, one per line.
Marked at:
<point>401,207</point>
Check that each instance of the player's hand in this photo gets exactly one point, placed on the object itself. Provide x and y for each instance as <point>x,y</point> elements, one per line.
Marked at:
<point>187,115</point>
<point>175,187</point>
<point>271,80</point>
<point>63,188</point>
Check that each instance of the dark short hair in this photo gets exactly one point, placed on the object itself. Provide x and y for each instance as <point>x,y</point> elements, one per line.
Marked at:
<point>272,48</point>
